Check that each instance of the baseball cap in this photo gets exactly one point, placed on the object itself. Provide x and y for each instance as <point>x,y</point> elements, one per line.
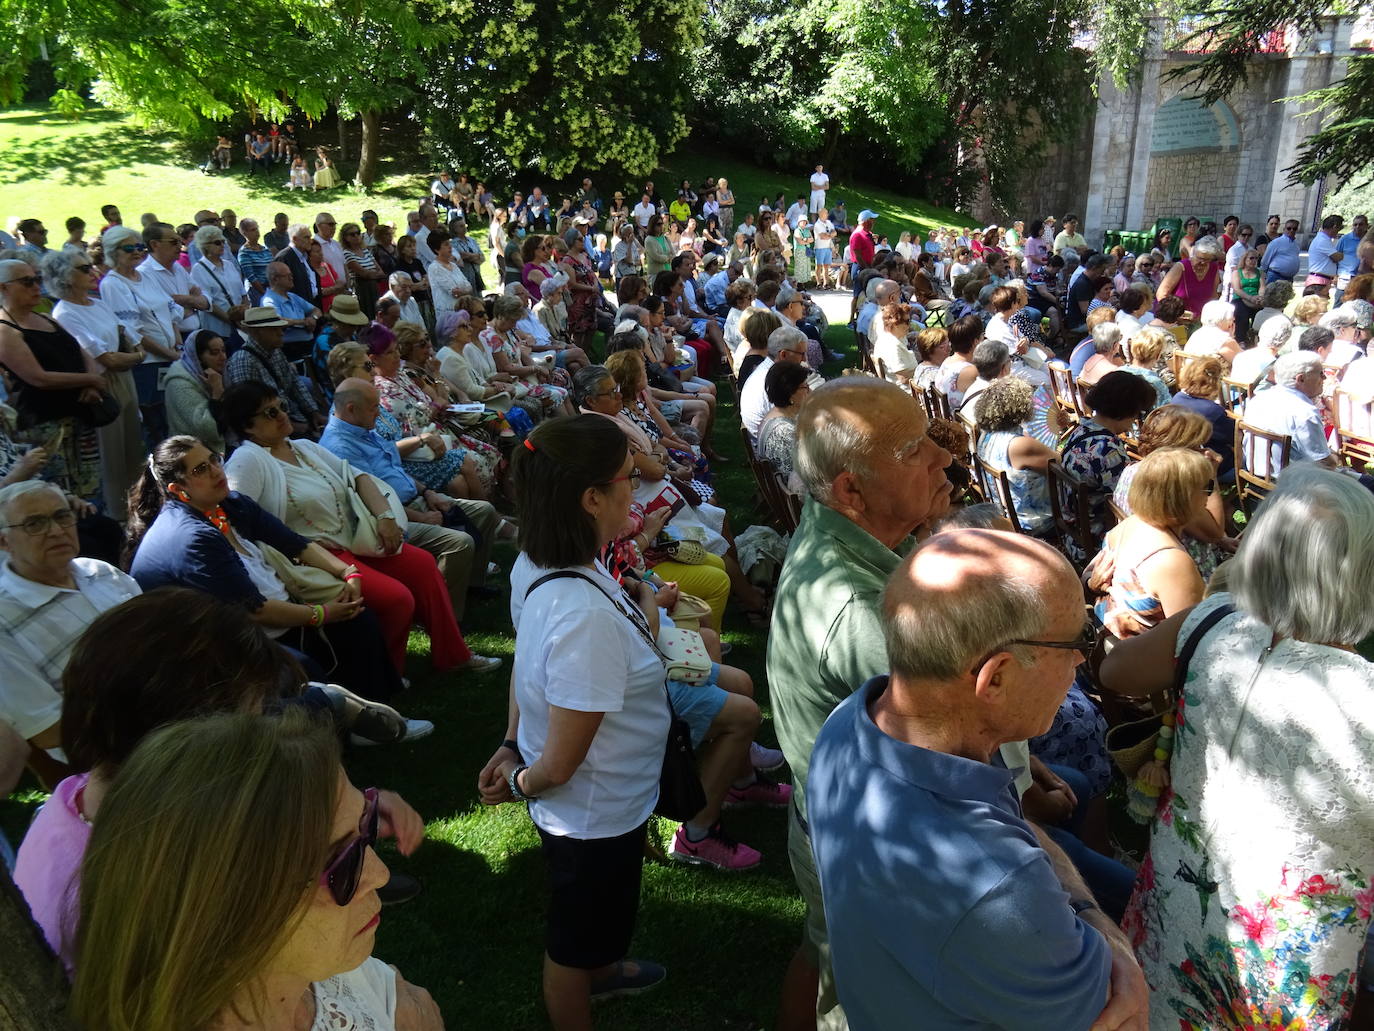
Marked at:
<point>867,214</point>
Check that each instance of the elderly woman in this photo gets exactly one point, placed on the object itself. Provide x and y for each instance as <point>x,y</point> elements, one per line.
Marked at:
<point>1274,298</point>
<point>290,940</point>
<point>1147,352</point>
<point>1107,355</point>
<point>187,528</point>
<point>1002,409</point>
<point>584,291</point>
<point>1252,898</point>
<point>1143,574</point>
<point>586,737</point>
<point>658,459</point>
<point>456,332</point>
<point>1199,387</point>
<point>365,275</point>
<point>440,461</point>
<point>739,295</point>
<point>627,256</point>
<point>1196,277</point>
<point>890,346</point>
<point>148,315</point>
<point>220,280</point>
<point>195,388</point>
<point>511,352</point>
<point>70,276</point>
<point>932,347</point>
<point>253,258</point>
<point>787,385</point>
<point>1094,453</point>
<point>307,488</point>
<point>54,382</point>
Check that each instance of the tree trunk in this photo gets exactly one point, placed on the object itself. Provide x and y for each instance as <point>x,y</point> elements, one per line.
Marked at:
<point>33,986</point>
<point>371,148</point>
<point>342,124</point>
<point>832,141</point>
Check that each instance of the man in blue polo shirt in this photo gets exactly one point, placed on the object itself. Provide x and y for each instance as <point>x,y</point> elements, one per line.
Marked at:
<point>301,317</point>
<point>350,434</point>
<point>945,908</point>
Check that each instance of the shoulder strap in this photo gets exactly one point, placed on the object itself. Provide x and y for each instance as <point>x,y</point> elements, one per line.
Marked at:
<point>1185,655</point>
<point>632,613</point>
<point>214,275</point>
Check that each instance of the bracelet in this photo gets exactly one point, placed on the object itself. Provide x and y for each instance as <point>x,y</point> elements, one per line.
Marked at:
<point>316,615</point>
<point>352,576</point>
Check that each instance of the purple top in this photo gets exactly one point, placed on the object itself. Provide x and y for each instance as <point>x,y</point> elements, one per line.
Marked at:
<point>48,867</point>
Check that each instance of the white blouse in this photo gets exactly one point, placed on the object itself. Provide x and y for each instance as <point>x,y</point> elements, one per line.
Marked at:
<point>363,999</point>
<point>94,325</point>
<point>442,282</point>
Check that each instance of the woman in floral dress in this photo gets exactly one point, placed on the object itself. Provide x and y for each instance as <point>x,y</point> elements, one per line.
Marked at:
<point>509,351</point>
<point>583,289</point>
<point>1252,907</point>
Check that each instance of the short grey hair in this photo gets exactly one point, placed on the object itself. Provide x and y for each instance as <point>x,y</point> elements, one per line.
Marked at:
<point>248,223</point>
<point>15,491</point>
<point>829,443</point>
<point>785,338</point>
<point>1305,564</point>
<point>59,270</point>
<point>786,295</point>
<point>634,312</point>
<point>1214,313</point>
<point>586,381</point>
<point>1338,319</point>
<point>398,279</point>
<point>1275,333</point>
<point>942,637</point>
<point>1277,294</point>
<point>1106,335</point>
<point>14,268</point>
<point>990,357</point>
<point>507,306</point>
<point>117,236</point>
<point>208,232</point>
<point>296,229</point>
<point>1208,248</point>
<point>1294,364</point>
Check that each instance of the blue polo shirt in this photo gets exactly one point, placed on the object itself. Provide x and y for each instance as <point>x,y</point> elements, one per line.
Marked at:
<point>943,910</point>
<point>289,306</point>
<point>368,451</point>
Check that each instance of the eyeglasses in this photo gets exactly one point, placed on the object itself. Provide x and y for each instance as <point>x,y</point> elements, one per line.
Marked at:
<point>1085,642</point>
<point>1246,235</point>
<point>632,476</point>
<point>132,248</point>
<point>345,870</point>
<point>270,412</point>
<point>613,392</point>
<point>26,280</point>
<point>37,525</point>
<point>83,268</point>
<point>215,461</point>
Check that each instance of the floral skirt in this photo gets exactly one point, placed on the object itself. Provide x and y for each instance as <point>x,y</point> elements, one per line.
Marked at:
<point>75,464</point>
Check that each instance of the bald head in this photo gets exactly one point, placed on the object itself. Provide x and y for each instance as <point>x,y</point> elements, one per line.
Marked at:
<point>886,292</point>
<point>967,592</point>
<point>279,276</point>
<point>356,402</point>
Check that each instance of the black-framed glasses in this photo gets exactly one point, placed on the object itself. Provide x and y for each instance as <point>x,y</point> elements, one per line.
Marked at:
<point>345,871</point>
<point>37,525</point>
<point>26,280</point>
<point>1085,642</point>
<point>84,268</point>
<point>215,461</point>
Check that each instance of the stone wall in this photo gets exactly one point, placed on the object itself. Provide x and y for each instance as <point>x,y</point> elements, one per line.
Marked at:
<point>1057,183</point>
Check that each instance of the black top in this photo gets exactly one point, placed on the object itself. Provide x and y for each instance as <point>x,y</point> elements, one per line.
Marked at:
<point>55,350</point>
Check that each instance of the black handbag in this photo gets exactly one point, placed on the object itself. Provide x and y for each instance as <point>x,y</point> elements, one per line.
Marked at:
<point>680,794</point>
<point>96,414</point>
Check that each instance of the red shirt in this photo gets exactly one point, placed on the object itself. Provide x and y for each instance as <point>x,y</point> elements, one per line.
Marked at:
<point>861,245</point>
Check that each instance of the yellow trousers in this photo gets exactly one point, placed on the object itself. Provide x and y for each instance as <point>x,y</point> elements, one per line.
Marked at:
<point>708,581</point>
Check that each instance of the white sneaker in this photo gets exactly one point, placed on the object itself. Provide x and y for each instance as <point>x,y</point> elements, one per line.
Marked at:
<point>415,730</point>
<point>480,664</point>
<point>764,758</point>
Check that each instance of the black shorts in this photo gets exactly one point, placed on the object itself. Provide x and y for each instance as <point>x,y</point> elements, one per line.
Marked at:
<point>593,896</point>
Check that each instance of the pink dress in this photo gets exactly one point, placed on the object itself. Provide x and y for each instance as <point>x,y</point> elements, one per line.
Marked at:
<point>48,865</point>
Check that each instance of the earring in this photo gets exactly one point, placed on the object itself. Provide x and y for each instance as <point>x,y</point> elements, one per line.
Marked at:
<point>177,492</point>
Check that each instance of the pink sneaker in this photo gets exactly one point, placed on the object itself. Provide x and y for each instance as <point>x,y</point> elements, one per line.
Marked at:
<point>763,791</point>
<point>717,849</point>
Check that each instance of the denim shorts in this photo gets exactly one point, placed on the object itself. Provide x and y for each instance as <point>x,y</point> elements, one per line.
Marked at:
<point>825,255</point>
<point>698,705</point>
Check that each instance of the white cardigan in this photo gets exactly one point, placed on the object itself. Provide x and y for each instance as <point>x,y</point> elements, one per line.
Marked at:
<point>253,471</point>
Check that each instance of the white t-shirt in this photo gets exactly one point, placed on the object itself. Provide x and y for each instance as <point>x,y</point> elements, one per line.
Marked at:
<point>825,232</point>
<point>820,181</point>
<point>753,400</point>
<point>895,354</point>
<point>1208,340</point>
<point>642,213</point>
<point>94,325</point>
<point>1252,364</point>
<point>143,309</point>
<point>578,652</point>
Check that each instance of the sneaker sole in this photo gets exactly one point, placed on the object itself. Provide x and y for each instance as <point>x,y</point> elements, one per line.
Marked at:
<point>619,993</point>
<point>698,861</point>
<point>771,769</point>
<point>730,803</point>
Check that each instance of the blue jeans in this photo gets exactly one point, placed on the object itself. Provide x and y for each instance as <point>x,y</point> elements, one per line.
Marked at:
<point>1111,882</point>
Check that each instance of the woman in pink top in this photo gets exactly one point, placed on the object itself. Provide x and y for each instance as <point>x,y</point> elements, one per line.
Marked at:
<point>166,656</point>
<point>1195,279</point>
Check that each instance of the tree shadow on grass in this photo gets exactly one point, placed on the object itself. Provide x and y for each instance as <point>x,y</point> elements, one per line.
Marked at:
<point>85,159</point>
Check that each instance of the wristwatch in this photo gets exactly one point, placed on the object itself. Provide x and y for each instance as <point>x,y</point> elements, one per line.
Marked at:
<point>1080,906</point>
<point>514,782</point>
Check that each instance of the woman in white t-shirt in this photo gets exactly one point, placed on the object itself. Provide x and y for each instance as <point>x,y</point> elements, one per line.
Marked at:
<point>589,719</point>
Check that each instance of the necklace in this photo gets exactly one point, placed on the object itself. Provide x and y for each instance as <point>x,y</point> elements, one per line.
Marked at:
<point>295,505</point>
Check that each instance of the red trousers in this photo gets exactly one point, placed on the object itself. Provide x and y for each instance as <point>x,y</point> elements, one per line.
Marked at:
<point>405,588</point>
<point>706,356</point>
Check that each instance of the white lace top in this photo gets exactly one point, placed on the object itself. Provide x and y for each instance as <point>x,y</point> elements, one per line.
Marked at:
<point>360,1000</point>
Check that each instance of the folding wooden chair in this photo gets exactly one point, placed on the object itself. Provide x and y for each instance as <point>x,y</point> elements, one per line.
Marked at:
<point>1353,435</point>
<point>997,488</point>
<point>1065,391</point>
<point>1069,512</point>
<point>1260,457</point>
<point>1234,395</point>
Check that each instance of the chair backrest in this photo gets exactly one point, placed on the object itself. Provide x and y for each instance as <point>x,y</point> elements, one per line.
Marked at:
<point>1234,394</point>
<point>1353,434</point>
<point>864,348</point>
<point>996,486</point>
<point>938,403</point>
<point>1069,508</point>
<point>1260,457</point>
<point>1064,389</point>
<point>881,368</point>
<point>1179,359</point>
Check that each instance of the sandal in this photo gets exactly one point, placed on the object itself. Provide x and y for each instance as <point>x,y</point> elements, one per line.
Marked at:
<point>648,975</point>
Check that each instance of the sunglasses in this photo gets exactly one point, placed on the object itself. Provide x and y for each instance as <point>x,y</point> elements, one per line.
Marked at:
<point>1085,642</point>
<point>83,268</point>
<point>215,461</point>
<point>132,248</point>
<point>270,412</point>
<point>345,870</point>
<point>36,525</point>
<point>26,280</point>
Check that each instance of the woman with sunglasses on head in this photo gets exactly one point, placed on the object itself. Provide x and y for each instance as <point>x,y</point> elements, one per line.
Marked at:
<point>187,528</point>
<point>70,276</point>
<point>231,881</point>
<point>52,382</point>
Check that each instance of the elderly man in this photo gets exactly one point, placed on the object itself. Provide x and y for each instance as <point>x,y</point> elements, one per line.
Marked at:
<point>330,247</point>
<point>941,899</point>
<point>305,283</point>
<point>873,476</point>
<point>468,253</point>
<point>403,293</point>
<point>882,293</point>
<point>718,279</point>
<point>434,518</point>
<point>785,344</point>
<point>1216,336</point>
<point>300,316</point>
<point>203,217</point>
<point>161,267</point>
<point>428,217</point>
<point>1324,253</point>
<point>48,597</point>
<point>1282,255</point>
<point>261,359</point>
<point>278,238</point>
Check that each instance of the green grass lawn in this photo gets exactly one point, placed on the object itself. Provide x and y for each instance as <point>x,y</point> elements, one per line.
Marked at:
<point>474,937</point>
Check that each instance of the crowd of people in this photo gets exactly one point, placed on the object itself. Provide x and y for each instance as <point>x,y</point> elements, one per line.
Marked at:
<point>238,468</point>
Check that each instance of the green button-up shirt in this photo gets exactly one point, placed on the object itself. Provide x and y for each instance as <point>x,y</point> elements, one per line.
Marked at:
<point>826,637</point>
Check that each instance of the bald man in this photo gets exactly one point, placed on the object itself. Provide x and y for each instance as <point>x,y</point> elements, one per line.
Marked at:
<point>873,476</point>
<point>941,899</point>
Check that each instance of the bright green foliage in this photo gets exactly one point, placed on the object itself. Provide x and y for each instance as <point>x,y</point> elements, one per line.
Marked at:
<point>561,87</point>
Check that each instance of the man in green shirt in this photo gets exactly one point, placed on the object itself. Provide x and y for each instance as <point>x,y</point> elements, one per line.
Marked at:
<point>873,476</point>
<point>1070,238</point>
